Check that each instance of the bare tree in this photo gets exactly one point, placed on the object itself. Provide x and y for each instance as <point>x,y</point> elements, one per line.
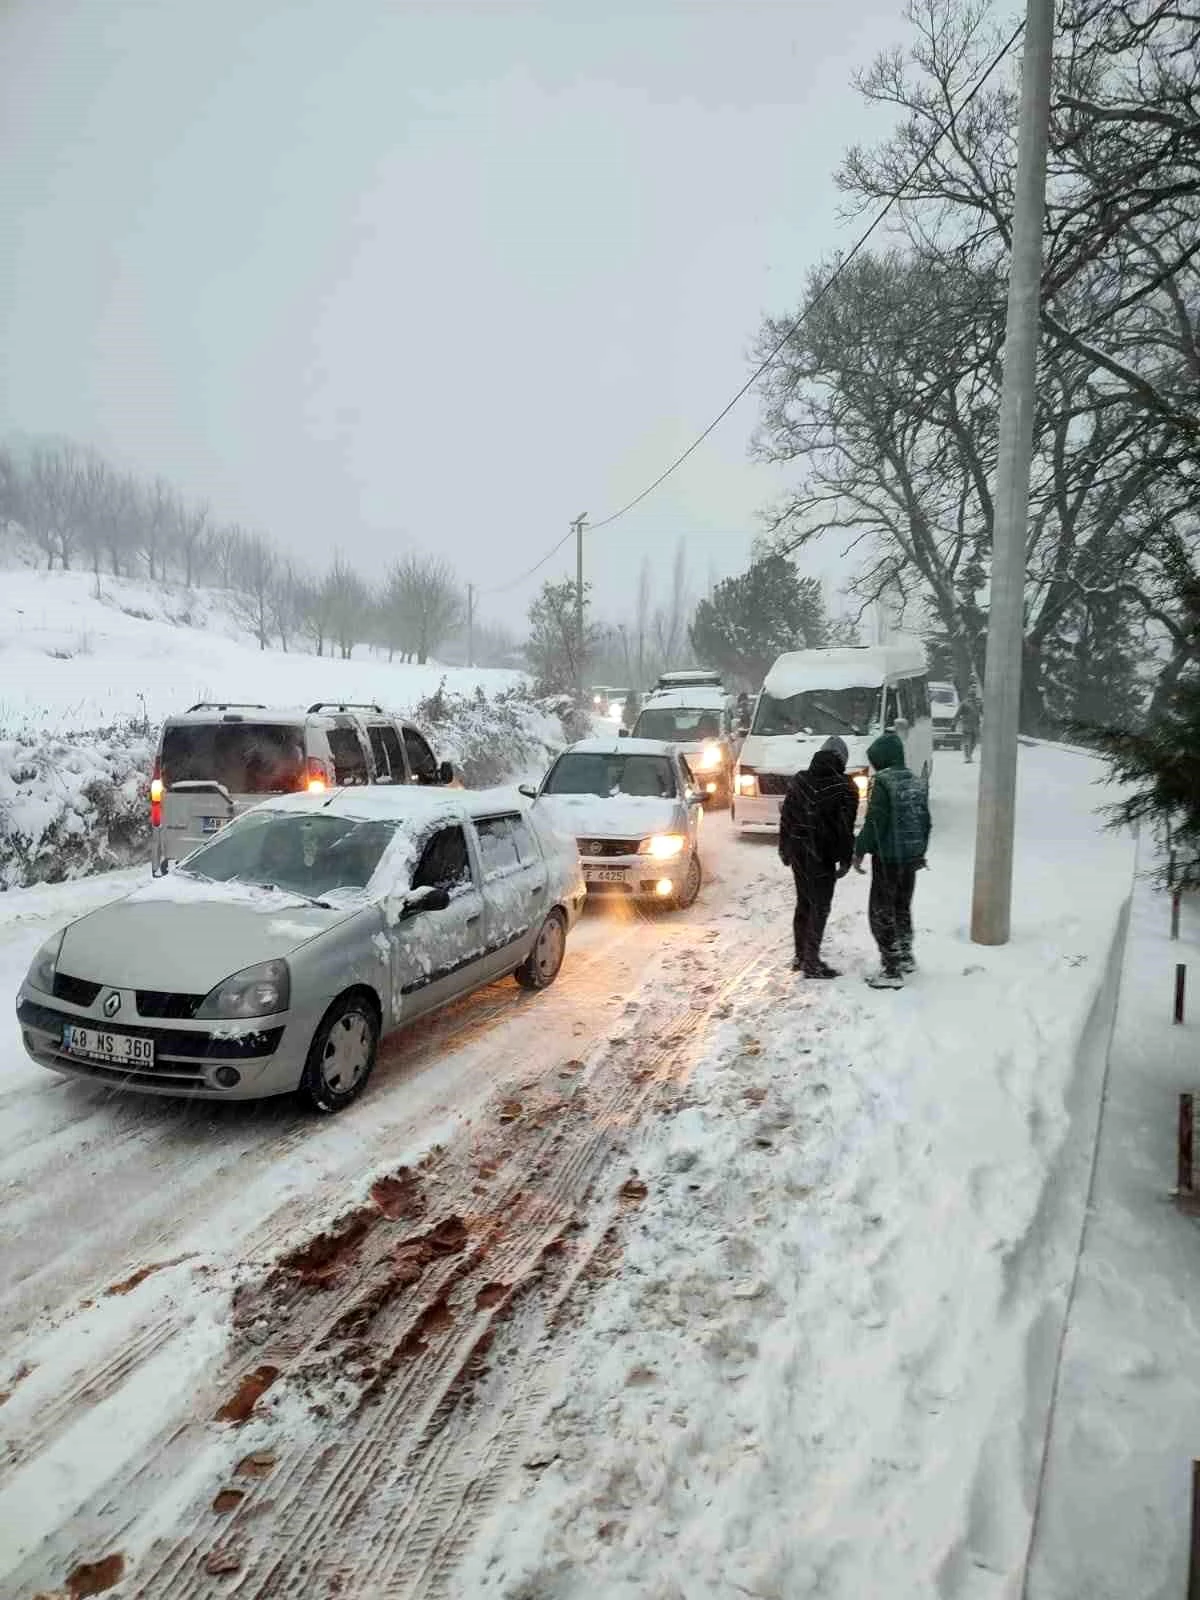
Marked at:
<point>53,500</point>
<point>252,596</point>
<point>424,602</point>
<point>348,606</point>
<point>287,603</point>
<point>191,529</point>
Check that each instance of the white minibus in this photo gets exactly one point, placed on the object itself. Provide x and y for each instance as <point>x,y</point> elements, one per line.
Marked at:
<point>857,693</point>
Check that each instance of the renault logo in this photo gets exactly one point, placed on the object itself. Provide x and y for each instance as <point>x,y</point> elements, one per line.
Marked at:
<point>112,1004</point>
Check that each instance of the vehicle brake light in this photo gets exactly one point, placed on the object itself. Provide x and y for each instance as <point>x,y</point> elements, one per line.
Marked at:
<point>317,778</point>
<point>156,795</point>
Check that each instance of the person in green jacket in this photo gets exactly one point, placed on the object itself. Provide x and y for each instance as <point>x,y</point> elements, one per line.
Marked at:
<point>895,834</point>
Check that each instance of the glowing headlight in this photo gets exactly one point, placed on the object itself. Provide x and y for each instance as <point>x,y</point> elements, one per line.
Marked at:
<point>747,783</point>
<point>259,991</point>
<point>862,782</point>
<point>662,846</point>
<point>710,756</point>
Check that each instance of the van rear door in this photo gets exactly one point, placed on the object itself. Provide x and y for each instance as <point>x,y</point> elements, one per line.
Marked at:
<point>214,770</point>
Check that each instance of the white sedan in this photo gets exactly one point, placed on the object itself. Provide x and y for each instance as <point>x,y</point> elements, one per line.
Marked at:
<point>634,809</point>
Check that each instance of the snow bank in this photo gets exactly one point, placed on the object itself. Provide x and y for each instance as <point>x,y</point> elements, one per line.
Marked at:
<point>77,654</point>
<point>823,1358</point>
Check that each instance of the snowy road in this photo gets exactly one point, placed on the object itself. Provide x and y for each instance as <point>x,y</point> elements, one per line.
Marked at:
<point>100,1186</point>
<point>630,1243</point>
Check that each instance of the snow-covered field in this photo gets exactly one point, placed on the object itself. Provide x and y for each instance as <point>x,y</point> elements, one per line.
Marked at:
<point>75,654</point>
<point>685,1279</point>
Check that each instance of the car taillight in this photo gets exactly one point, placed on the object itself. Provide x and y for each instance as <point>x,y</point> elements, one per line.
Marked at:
<point>156,795</point>
<point>317,776</point>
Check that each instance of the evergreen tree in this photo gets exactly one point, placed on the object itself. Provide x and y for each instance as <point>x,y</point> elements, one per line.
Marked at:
<point>1161,762</point>
<point>749,620</point>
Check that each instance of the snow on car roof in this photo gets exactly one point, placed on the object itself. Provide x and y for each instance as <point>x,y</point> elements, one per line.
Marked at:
<point>402,802</point>
<point>620,747</point>
<point>864,668</point>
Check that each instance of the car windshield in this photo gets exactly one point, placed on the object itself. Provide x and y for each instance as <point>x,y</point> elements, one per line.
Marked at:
<point>679,723</point>
<point>304,853</point>
<point>818,711</point>
<point>942,697</point>
<point>585,772</point>
<point>244,757</point>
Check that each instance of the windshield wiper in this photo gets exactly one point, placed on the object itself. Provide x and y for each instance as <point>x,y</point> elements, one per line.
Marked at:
<point>836,715</point>
<point>298,894</point>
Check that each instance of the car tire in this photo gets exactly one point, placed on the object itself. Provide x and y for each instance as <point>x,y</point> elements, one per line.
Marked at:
<point>544,961</point>
<point>349,1030</point>
<point>692,885</point>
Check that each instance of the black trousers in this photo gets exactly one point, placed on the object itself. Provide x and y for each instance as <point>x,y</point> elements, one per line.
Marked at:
<point>889,911</point>
<point>814,896</point>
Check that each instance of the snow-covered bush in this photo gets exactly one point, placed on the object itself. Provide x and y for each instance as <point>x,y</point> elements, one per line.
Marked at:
<point>72,803</point>
<point>507,737</point>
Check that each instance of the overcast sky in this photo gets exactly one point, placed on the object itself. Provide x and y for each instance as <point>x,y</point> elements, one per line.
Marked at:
<point>371,275</point>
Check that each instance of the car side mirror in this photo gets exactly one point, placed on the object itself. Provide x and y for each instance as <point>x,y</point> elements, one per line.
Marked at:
<point>527,790</point>
<point>445,773</point>
<point>622,733</point>
<point>743,730</point>
<point>902,726</point>
<point>433,897</point>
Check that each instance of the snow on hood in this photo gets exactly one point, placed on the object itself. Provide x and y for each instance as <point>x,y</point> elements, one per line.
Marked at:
<point>792,752</point>
<point>619,816</point>
<point>182,935</point>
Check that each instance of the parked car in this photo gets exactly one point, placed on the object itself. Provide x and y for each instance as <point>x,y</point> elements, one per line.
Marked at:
<point>856,693</point>
<point>276,956</point>
<point>633,807</point>
<point>696,718</point>
<point>216,760</point>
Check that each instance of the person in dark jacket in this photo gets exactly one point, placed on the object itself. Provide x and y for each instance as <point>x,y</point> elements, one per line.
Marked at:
<point>895,835</point>
<point>816,839</point>
<point>967,718</point>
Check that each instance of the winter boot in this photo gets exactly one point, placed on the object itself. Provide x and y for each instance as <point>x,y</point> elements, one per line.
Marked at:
<point>885,980</point>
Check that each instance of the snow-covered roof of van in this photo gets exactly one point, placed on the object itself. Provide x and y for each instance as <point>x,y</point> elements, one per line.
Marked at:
<point>867,667</point>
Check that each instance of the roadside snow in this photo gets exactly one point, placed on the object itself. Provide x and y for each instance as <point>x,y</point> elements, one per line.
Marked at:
<point>1115,1511</point>
<point>821,1365</point>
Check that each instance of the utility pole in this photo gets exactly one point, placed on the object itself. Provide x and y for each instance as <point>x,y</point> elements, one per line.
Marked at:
<point>470,624</point>
<point>579,524</point>
<point>991,909</point>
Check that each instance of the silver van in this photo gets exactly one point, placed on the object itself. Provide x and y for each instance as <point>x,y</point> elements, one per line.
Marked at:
<point>217,759</point>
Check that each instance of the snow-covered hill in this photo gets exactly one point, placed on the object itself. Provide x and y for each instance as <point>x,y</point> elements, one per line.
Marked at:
<point>77,653</point>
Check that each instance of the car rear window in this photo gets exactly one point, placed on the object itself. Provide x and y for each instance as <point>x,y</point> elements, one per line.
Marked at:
<point>244,757</point>
<point>678,723</point>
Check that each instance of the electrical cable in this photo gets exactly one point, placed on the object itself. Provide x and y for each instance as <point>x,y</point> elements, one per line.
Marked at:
<point>797,322</point>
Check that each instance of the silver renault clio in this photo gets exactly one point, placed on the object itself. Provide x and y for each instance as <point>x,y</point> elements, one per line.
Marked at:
<point>275,957</point>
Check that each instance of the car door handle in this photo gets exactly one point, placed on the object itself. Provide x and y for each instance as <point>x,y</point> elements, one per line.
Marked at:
<point>538,888</point>
<point>471,921</point>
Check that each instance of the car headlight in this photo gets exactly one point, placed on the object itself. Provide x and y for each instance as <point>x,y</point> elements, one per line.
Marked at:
<point>662,846</point>
<point>259,991</point>
<point>45,963</point>
<point>747,783</point>
<point>862,782</point>
<point>710,756</point>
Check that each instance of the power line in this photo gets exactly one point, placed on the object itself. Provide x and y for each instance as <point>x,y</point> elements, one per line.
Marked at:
<point>797,322</point>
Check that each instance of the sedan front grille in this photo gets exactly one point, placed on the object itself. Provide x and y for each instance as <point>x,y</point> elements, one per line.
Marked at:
<point>608,847</point>
<point>193,1046</point>
<point>159,1003</point>
<point>75,991</point>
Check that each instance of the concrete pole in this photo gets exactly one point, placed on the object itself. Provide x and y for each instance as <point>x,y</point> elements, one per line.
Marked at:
<point>579,524</point>
<point>470,624</point>
<point>992,906</point>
